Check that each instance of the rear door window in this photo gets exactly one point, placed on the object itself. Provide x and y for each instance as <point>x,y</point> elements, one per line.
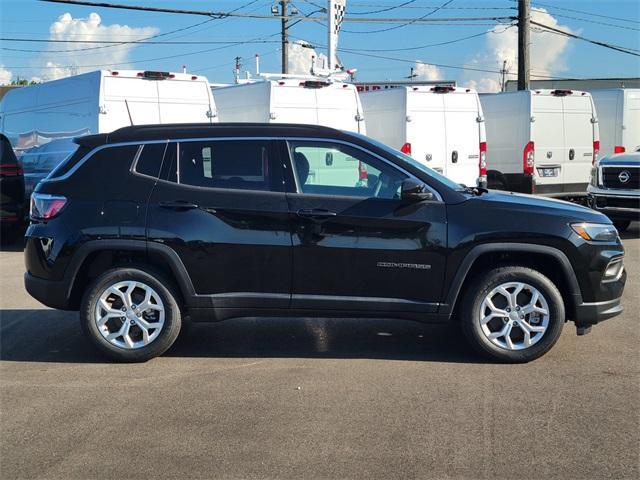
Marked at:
<point>150,159</point>
<point>227,164</point>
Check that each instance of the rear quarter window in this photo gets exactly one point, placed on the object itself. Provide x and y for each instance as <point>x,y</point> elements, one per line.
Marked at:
<point>150,159</point>
<point>67,164</point>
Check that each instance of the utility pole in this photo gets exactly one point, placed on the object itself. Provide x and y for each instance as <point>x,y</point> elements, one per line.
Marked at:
<point>285,36</point>
<point>504,72</point>
<point>524,19</point>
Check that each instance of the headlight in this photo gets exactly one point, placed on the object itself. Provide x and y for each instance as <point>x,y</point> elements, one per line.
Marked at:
<point>594,176</point>
<point>595,232</point>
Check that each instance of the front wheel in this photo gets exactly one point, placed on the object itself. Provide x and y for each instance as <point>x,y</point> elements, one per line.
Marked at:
<point>130,315</point>
<point>512,314</point>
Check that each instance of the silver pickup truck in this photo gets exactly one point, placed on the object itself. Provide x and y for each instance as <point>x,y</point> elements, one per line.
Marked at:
<point>614,188</point>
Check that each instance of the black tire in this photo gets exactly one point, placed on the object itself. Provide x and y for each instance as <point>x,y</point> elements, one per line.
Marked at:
<point>165,290</point>
<point>621,225</point>
<point>482,285</point>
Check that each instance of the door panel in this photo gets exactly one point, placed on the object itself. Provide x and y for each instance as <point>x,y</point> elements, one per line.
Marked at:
<point>365,249</point>
<point>462,137</point>
<point>219,213</point>
<point>548,136</point>
<point>578,131</point>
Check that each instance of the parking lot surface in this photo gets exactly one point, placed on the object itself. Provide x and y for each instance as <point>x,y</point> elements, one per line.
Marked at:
<point>309,398</point>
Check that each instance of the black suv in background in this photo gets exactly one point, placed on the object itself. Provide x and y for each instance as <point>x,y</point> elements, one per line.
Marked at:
<point>12,196</point>
<point>148,225</point>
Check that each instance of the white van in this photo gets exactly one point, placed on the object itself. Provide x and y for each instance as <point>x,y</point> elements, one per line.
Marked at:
<point>541,141</point>
<point>304,100</point>
<point>40,120</point>
<point>618,119</point>
<point>440,126</point>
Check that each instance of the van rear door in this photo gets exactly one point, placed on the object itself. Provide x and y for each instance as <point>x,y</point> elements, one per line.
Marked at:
<point>426,129</point>
<point>462,149</point>
<point>185,101</point>
<point>291,103</point>
<point>579,134</point>
<point>548,137</point>
<point>338,107</point>
<point>118,92</point>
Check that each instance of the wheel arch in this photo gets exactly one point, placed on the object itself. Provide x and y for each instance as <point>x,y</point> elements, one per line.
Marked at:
<point>549,261</point>
<point>94,257</point>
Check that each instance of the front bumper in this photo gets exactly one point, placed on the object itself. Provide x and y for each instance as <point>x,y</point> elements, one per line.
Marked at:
<point>588,314</point>
<point>615,203</point>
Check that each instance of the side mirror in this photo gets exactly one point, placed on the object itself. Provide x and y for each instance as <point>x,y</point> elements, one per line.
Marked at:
<point>328,159</point>
<point>414,191</point>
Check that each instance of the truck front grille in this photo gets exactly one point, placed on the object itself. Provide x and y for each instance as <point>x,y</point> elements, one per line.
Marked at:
<point>613,177</point>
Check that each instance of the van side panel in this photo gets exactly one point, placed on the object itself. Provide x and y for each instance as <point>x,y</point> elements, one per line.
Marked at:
<point>631,120</point>
<point>385,114</point>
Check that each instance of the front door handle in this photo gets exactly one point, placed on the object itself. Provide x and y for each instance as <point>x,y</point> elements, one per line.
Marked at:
<point>178,205</point>
<point>316,213</point>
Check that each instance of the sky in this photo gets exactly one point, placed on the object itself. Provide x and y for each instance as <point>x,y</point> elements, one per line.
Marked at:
<point>470,51</point>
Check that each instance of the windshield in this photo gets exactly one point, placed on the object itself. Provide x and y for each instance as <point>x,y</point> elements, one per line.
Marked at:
<point>411,161</point>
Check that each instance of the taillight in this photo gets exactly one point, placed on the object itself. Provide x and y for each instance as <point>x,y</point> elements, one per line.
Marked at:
<point>596,151</point>
<point>528,158</point>
<point>45,206</point>
<point>619,149</point>
<point>362,172</point>
<point>406,149</point>
<point>482,164</point>
<point>10,170</point>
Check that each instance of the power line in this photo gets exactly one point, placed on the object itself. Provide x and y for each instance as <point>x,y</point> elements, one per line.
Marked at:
<point>385,9</point>
<point>584,12</point>
<point>560,15</point>
<point>144,39</point>
<point>217,14</point>
<point>422,18</point>
<point>141,42</point>
<point>629,51</point>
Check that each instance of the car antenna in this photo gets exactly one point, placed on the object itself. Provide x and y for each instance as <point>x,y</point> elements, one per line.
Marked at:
<point>128,111</point>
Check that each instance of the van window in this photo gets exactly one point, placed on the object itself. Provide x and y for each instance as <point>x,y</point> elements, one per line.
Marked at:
<point>150,159</point>
<point>325,168</point>
<point>232,164</point>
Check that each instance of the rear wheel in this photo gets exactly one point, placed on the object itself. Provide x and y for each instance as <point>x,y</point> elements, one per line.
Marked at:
<point>131,315</point>
<point>512,314</point>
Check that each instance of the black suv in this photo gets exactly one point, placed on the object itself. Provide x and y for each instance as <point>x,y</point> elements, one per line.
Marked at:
<point>146,226</point>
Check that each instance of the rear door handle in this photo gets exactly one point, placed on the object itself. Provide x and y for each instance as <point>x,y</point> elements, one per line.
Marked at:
<point>316,213</point>
<point>178,205</point>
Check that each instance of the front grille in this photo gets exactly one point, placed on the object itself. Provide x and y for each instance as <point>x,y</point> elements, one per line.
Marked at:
<point>618,202</point>
<point>611,177</point>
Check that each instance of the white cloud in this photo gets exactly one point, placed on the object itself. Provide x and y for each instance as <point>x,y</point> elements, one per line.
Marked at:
<point>547,53</point>
<point>424,71</point>
<point>5,76</point>
<point>61,64</point>
<point>300,56</point>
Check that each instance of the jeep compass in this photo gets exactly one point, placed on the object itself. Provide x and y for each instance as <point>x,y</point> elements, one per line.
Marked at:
<point>149,226</point>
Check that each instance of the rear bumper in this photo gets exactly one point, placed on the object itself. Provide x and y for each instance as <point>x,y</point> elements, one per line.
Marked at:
<point>54,294</point>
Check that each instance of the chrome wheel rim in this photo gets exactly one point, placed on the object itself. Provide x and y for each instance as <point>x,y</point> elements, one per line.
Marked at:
<point>514,316</point>
<point>129,314</point>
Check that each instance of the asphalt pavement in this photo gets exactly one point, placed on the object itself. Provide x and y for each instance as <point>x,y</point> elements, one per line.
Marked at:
<point>314,398</point>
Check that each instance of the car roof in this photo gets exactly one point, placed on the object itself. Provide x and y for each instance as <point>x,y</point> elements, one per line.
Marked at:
<point>139,133</point>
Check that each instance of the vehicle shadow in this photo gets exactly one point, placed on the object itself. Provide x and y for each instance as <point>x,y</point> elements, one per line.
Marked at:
<point>632,232</point>
<point>55,336</point>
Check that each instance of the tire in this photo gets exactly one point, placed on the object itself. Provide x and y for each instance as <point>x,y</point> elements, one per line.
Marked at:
<point>151,290</point>
<point>548,327</point>
<point>621,225</point>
